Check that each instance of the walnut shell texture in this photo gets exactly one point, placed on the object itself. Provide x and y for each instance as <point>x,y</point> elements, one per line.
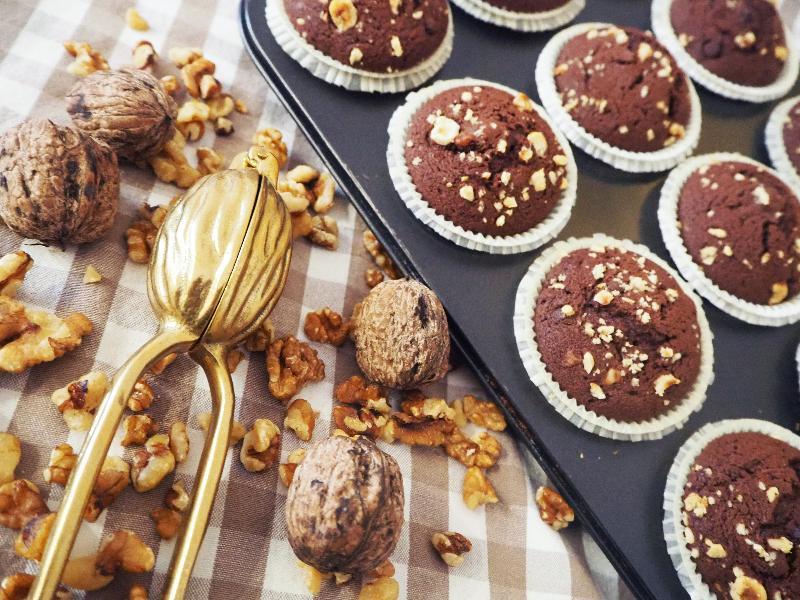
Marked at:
<point>127,110</point>
<point>56,183</point>
<point>344,509</point>
<point>401,335</point>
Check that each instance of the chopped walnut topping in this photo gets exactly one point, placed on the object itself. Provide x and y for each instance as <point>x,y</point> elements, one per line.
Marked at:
<point>553,509</point>
<point>444,131</point>
<point>300,418</point>
<point>290,365</point>
<point>664,382</point>
<point>477,489</point>
<point>747,588</point>
<point>343,14</point>
<point>13,268</point>
<point>451,547</point>
<point>779,292</point>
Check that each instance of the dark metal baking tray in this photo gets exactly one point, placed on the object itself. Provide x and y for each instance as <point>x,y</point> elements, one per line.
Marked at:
<point>615,487</point>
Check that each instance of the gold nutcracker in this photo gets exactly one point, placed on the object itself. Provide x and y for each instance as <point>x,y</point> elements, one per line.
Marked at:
<point>218,267</point>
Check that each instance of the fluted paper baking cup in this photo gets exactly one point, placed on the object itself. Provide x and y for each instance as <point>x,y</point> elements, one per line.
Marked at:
<point>673,493</point>
<point>776,147</point>
<point>337,73</point>
<point>755,314</point>
<point>662,27</point>
<point>538,235</point>
<point>522,21</point>
<point>624,160</point>
<point>527,294</point>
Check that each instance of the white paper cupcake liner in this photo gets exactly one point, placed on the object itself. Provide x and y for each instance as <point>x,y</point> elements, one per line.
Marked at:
<point>653,429</point>
<point>662,27</point>
<point>755,314</point>
<point>624,160</point>
<point>673,493</point>
<point>542,233</point>
<point>773,139</point>
<point>337,73</point>
<point>522,21</point>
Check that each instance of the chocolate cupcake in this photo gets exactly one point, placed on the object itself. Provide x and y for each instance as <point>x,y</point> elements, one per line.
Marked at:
<point>613,338</point>
<point>738,224</point>
<point>736,48</point>
<point>482,165</point>
<point>732,511</point>
<point>619,95</point>
<point>366,46</point>
<point>782,138</point>
<point>523,15</point>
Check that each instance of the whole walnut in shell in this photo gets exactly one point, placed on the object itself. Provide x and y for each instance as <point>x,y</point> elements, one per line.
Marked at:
<point>401,335</point>
<point>56,183</point>
<point>344,509</point>
<point>127,110</point>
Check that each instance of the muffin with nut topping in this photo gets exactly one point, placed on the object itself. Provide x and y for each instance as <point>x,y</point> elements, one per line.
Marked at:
<point>617,333</point>
<point>369,45</point>
<point>741,516</point>
<point>485,160</point>
<point>624,88</point>
<point>741,41</point>
<point>741,225</point>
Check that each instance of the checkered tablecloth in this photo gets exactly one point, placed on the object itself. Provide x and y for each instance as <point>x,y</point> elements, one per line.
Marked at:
<point>245,553</point>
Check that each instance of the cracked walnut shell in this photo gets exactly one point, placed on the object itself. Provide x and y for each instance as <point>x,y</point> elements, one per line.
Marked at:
<point>401,335</point>
<point>344,508</point>
<point>56,183</point>
<point>126,110</point>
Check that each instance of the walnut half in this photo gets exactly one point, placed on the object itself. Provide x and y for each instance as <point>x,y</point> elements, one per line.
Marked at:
<point>553,509</point>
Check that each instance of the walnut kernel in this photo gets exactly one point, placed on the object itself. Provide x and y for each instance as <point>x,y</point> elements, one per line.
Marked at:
<point>136,429</point>
<point>78,400</point>
<point>272,140</point>
<point>477,489</point>
<point>19,503</point>
<point>290,365</point>
<point>10,453</point>
<point>300,418</point>
<point>261,446</point>
<point>384,588</point>
<point>179,441</point>
<point>87,59</point>
<point>237,429</point>
<point>553,509</point>
<point>62,461</point>
<point>113,478</point>
<point>451,546</point>
<point>483,413</point>
<point>152,464</point>
<point>142,396</point>
<point>324,232</point>
<point>286,470</point>
<point>326,326</point>
<point>136,21</point>
<point>167,522</point>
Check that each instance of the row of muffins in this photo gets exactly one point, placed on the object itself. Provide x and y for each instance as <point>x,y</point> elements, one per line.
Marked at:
<point>617,342</point>
<point>737,48</point>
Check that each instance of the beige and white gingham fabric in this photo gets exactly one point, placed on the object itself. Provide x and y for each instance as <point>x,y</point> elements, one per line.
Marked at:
<point>245,553</point>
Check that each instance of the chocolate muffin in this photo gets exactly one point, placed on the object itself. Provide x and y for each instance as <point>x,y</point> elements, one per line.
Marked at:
<point>739,40</point>
<point>486,160</point>
<point>742,516</point>
<point>617,333</point>
<point>791,136</point>
<point>528,6</point>
<point>372,35</point>
<point>623,87</point>
<point>741,225</point>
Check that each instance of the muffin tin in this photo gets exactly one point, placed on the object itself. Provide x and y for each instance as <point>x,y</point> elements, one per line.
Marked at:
<point>615,487</point>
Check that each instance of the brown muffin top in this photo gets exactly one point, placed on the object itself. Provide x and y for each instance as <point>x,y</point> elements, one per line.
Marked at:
<point>617,333</point>
<point>485,160</point>
<point>622,86</point>
<point>373,35</point>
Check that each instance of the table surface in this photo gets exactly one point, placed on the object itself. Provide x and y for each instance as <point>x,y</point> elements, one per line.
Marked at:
<point>617,486</point>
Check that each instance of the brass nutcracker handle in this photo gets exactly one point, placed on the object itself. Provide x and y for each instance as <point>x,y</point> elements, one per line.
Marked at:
<point>93,453</point>
<point>212,360</point>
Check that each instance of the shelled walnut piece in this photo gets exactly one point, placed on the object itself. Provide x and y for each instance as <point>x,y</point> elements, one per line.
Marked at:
<point>152,464</point>
<point>261,338</point>
<point>141,234</point>
<point>10,454</point>
<point>379,256</point>
<point>261,446</point>
<point>137,592</point>
<point>170,164</point>
<point>451,546</point>
<point>87,59</point>
<point>20,501</point>
<point>237,429</point>
<point>142,396</point>
<point>300,418</point>
<point>286,470</point>
<point>483,413</point>
<point>167,522</point>
<point>17,586</point>
<point>326,326</point>
<point>78,400</point>
<point>144,57</point>
<point>122,551</point>
<point>179,441</point>
<point>384,588</point>
<point>553,509</point>
<point>477,489</point>
<point>113,478</point>
<point>62,461</point>
<point>136,429</point>
<point>13,268</point>
<point>290,365</point>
